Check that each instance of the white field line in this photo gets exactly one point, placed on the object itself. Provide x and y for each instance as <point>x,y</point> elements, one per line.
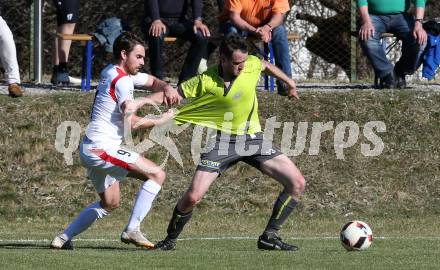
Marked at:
<point>223,238</point>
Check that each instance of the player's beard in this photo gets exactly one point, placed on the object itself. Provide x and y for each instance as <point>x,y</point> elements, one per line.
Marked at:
<point>135,70</point>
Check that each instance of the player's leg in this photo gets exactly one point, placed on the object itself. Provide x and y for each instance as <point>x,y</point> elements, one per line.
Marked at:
<point>8,58</point>
<point>62,57</point>
<point>155,48</point>
<point>110,198</point>
<point>67,17</point>
<point>197,55</point>
<point>281,52</point>
<point>373,49</point>
<point>153,177</point>
<point>282,169</point>
<point>411,50</point>
<point>182,213</point>
<point>64,45</point>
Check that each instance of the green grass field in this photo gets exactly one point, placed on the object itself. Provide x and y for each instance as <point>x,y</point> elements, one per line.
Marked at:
<point>400,246</point>
<point>227,254</point>
<point>397,192</point>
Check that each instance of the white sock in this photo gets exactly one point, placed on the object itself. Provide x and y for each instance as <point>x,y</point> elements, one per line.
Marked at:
<point>85,219</point>
<point>142,204</point>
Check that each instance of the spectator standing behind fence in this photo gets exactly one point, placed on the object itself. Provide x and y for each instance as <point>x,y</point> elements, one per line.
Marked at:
<point>168,18</point>
<point>67,17</point>
<point>264,20</point>
<point>390,16</point>
<point>8,57</point>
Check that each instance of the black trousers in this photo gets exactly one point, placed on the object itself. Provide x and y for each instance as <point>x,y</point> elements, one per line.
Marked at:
<point>183,29</point>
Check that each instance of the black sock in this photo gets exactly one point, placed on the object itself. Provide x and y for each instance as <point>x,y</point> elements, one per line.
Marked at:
<point>177,223</point>
<point>283,207</point>
<point>62,66</point>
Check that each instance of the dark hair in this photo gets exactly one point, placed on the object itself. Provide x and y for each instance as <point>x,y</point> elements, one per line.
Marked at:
<point>232,43</point>
<point>126,41</point>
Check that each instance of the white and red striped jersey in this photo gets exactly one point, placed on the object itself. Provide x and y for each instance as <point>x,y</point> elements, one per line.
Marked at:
<point>115,87</point>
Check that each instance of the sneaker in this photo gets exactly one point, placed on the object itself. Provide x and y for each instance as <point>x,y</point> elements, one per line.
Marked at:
<point>387,82</point>
<point>60,75</point>
<point>61,242</point>
<point>15,90</point>
<point>400,81</point>
<point>166,244</point>
<point>63,78</point>
<point>74,80</point>
<point>271,241</point>
<point>136,238</point>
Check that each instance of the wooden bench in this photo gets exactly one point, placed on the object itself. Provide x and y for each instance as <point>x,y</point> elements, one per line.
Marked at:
<point>86,70</point>
<point>269,82</point>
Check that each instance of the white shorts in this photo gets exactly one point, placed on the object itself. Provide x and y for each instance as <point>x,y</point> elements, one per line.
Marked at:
<point>105,166</point>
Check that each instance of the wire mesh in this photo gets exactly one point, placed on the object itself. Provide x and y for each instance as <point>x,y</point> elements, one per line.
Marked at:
<point>326,50</point>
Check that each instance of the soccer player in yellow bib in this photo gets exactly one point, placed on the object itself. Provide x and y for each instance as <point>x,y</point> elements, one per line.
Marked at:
<point>226,101</point>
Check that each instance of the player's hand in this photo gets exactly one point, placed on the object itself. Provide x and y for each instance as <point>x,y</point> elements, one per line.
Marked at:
<point>264,33</point>
<point>165,117</point>
<point>419,33</point>
<point>171,96</point>
<point>291,90</point>
<point>367,30</point>
<point>157,28</point>
<point>200,26</point>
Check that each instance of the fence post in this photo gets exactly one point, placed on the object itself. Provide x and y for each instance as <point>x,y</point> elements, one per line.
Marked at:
<point>31,41</point>
<point>353,43</point>
<point>37,39</point>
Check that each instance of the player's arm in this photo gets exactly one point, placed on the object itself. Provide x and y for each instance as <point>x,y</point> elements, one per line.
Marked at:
<point>240,23</point>
<point>265,31</point>
<point>272,70</point>
<point>130,107</point>
<point>367,28</point>
<point>163,91</point>
<point>276,20</point>
<point>418,32</point>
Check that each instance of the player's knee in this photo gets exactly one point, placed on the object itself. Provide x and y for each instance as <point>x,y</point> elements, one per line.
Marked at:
<point>156,40</point>
<point>193,199</point>
<point>300,184</point>
<point>296,186</point>
<point>200,38</point>
<point>160,177</point>
<point>111,205</point>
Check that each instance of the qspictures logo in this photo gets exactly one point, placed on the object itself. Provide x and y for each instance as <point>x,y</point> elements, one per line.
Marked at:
<point>346,134</point>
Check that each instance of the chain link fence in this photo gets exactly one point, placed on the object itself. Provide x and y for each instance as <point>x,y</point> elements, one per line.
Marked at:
<point>326,50</point>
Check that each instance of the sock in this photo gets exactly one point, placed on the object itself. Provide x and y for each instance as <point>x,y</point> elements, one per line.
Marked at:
<point>283,207</point>
<point>85,219</point>
<point>177,223</point>
<point>62,67</point>
<point>142,205</point>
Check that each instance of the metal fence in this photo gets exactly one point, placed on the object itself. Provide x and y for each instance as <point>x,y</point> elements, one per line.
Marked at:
<point>327,48</point>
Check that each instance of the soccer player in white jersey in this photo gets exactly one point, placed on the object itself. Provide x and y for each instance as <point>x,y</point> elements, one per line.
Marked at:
<point>107,162</point>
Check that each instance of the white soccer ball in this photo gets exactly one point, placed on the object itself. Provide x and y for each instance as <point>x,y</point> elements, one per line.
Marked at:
<point>356,235</point>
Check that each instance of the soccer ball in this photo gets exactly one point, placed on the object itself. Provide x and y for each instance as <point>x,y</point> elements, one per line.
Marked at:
<point>356,235</point>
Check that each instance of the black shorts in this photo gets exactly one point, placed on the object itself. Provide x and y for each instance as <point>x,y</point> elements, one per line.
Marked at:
<point>67,11</point>
<point>223,153</point>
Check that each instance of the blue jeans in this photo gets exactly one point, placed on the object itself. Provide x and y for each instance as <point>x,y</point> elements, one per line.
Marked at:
<point>280,47</point>
<point>401,25</point>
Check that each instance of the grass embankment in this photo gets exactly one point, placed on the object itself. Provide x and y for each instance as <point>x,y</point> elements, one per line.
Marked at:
<point>402,181</point>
